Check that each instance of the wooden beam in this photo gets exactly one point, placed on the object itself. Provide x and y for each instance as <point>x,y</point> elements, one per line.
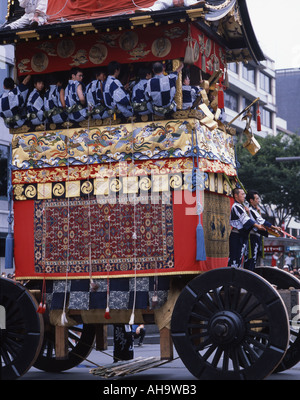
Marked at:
<point>61,342</point>
<point>101,337</point>
<point>166,344</point>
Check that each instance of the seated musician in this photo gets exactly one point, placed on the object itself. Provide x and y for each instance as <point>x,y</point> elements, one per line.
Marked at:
<point>115,96</point>
<point>54,102</point>
<point>35,102</point>
<point>189,93</point>
<point>12,102</point>
<point>94,96</point>
<point>139,102</point>
<point>161,89</point>
<point>75,96</point>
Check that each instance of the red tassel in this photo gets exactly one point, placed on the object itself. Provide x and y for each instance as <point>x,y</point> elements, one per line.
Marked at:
<point>258,120</point>
<point>221,103</point>
<point>107,314</point>
<point>41,308</point>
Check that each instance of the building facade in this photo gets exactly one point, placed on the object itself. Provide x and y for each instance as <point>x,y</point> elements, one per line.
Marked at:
<point>288,99</point>
<point>246,83</point>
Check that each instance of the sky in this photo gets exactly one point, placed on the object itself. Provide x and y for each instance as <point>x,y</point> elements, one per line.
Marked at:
<point>276,25</point>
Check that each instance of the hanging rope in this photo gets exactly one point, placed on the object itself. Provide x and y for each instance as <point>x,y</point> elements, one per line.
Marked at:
<point>134,235</point>
<point>64,320</point>
<point>107,310</point>
<point>135,5</point>
<point>42,306</point>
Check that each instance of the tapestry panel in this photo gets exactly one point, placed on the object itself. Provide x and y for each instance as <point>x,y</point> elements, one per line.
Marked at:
<point>97,237</point>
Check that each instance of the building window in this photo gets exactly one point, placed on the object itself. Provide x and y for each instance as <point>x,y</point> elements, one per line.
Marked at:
<point>266,119</point>
<point>265,82</point>
<point>231,100</point>
<point>248,73</point>
<point>233,67</point>
<point>4,152</point>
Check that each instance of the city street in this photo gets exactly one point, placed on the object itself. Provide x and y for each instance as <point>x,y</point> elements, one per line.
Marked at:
<point>170,373</point>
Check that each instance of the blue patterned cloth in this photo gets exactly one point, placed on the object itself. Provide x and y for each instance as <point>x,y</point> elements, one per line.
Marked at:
<point>139,101</point>
<point>53,106</point>
<point>189,95</point>
<point>121,293</point>
<point>77,112</point>
<point>115,96</point>
<point>12,106</point>
<point>160,93</point>
<point>95,100</point>
<point>35,108</point>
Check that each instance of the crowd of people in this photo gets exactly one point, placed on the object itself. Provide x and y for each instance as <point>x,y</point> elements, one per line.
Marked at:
<point>104,96</point>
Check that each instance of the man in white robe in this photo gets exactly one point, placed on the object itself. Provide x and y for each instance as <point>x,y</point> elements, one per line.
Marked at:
<point>35,14</point>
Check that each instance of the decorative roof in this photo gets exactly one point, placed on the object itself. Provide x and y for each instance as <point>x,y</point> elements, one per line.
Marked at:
<point>227,22</point>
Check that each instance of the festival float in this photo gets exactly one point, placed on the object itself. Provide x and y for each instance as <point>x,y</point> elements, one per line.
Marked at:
<point>126,220</point>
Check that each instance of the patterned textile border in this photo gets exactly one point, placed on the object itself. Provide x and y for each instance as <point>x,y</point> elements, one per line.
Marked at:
<point>123,168</point>
<point>216,223</point>
<point>90,236</point>
<point>122,186</point>
<point>120,292</point>
<point>138,141</point>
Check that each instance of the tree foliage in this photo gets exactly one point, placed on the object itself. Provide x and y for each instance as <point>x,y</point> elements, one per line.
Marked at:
<point>277,182</point>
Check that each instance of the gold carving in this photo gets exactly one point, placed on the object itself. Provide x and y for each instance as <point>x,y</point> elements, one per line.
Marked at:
<point>30,191</point>
<point>58,189</point>
<point>87,187</point>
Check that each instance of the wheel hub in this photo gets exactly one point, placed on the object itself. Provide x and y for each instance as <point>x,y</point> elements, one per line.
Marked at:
<point>226,327</point>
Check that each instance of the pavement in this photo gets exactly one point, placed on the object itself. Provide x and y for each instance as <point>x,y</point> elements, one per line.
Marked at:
<point>173,372</point>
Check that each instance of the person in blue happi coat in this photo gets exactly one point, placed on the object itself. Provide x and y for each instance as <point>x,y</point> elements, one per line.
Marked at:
<point>54,102</point>
<point>35,102</point>
<point>160,90</point>
<point>94,96</point>
<point>138,98</point>
<point>189,93</point>
<point>241,224</point>
<point>115,96</point>
<point>255,237</point>
<point>75,96</point>
<point>13,102</point>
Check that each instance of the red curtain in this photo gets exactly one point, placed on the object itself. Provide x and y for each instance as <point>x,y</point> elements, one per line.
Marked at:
<point>72,9</point>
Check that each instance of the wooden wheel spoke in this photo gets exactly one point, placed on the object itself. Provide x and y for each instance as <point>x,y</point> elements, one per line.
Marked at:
<point>22,338</point>
<point>227,329</point>
<point>217,357</point>
<point>209,351</point>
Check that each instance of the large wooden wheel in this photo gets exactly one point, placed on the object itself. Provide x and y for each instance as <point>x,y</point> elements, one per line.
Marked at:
<point>22,330</point>
<point>284,280</point>
<point>230,323</point>
<point>80,344</point>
